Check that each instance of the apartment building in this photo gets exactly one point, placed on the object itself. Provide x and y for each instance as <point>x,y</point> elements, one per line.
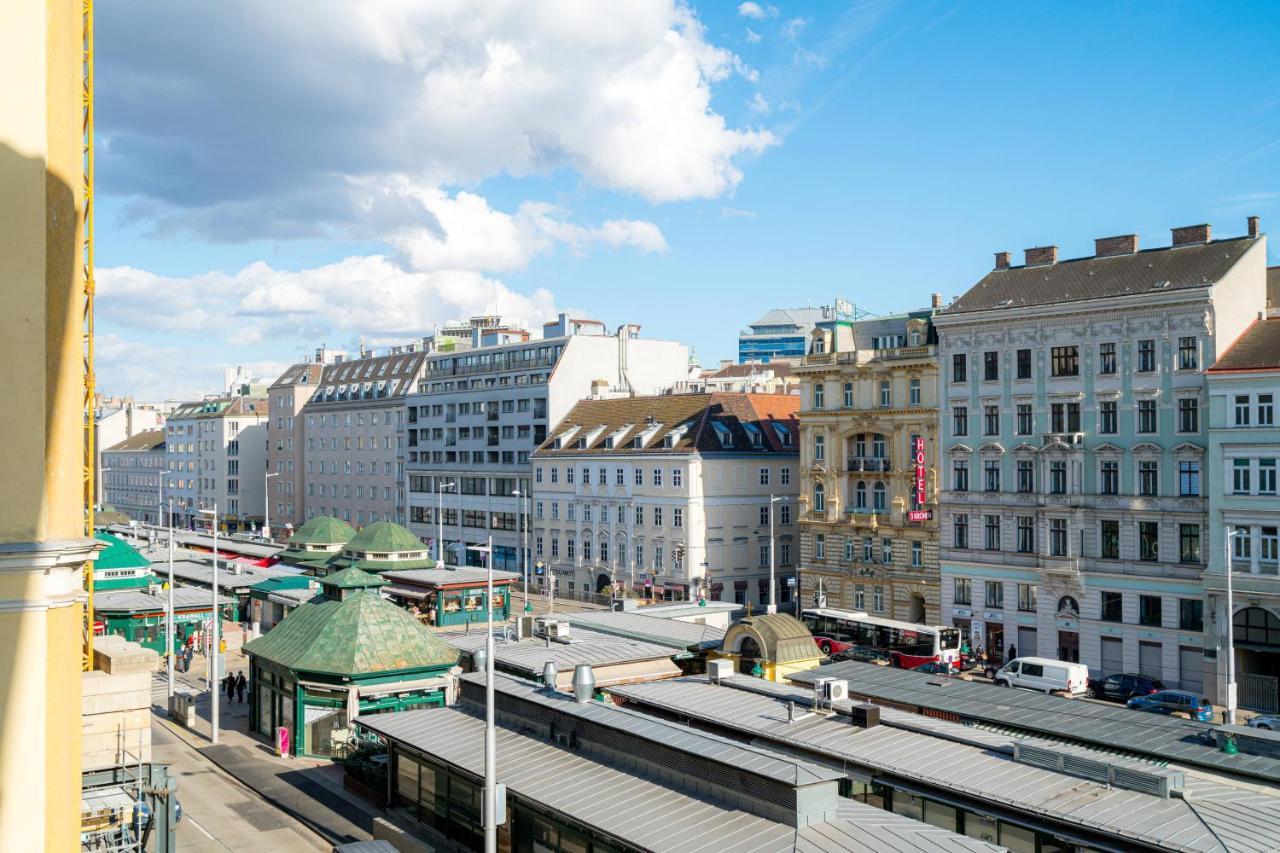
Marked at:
<point>868,477</point>
<point>132,475</point>
<point>480,412</point>
<point>216,453</point>
<point>1074,448</point>
<point>1240,475</point>
<point>116,419</point>
<point>669,497</point>
<point>286,461</point>
<point>352,426</point>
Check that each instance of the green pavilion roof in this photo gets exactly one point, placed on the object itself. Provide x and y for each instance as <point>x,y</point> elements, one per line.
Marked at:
<point>384,537</point>
<point>323,530</point>
<point>118,554</point>
<point>381,566</point>
<point>351,578</point>
<point>363,634</point>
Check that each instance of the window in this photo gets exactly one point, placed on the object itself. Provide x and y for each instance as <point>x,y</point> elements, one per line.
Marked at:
<point>1109,547</point>
<point>1112,606</point>
<point>657,476</point>
<point>568,474</point>
<point>991,475</point>
<point>764,476</point>
<point>639,476</point>
<point>860,597</point>
<point>848,549</point>
<point>877,599</point>
<point>1241,547</point>
<point>868,550</point>
<point>555,474</point>
<point>1024,423</point>
<point>991,533</point>
<point>990,366</point>
<point>1024,364</point>
<point>1148,541</point>
<point>1240,476</point>
<point>991,420</point>
<point>1188,414</point>
<point>784,476</point>
<point>1242,410</point>
<point>1058,537</point>
<point>764,516</point>
<point>1110,477</point>
<point>885,397</point>
<point>959,371</point>
<point>784,553</point>
<point>860,495</point>
<point>1146,416</point>
<point>819,498</point>
<point>1057,478</point>
<point>1189,478</point>
<point>819,448</point>
<point>820,547</point>
<point>1187,359</point>
<point>1107,359</point>
<point>917,553</point>
<point>1146,356</point>
<point>1268,547</point>
<point>848,395</point>
<point>960,475</point>
<point>1026,534</point>
<point>1065,361</point>
<point>657,516</point>
<point>879,497</point>
<point>639,516</point>
<point>537,474</point>
<point>1191,614</point>
<point>963,594</point>
<point>960,420</point>
<point>764,557</point>
<point>995,594</point>
<point>818,394</point>
<point>1266,410</point>
<point>784,514</point>
<point>677,517</point>
<point>602,477</point>
<point>1266,476</point>
<point>1065,417</point>
<point>1108,423</point>
<point>1189,543</point>
<point>619,477</point>
<point>677,478</point>
<point>913,392</point>
<point>1026,476</point>
<point>1149,610</point>
<point>1027,597</point>
<point>886,551</point>
<point>960,531</point>
<point>1148,479</point>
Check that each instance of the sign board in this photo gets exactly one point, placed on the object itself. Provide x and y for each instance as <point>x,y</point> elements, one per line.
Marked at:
<point>921,488</point>
<point>282,741</point>
<point>920,515</point>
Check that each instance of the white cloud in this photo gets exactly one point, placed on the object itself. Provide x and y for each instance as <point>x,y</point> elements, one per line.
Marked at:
<point>758,104</point>
<point>753,37</point>
<point>736,213</point>
<point>756,11</point>
<point>791,29</point>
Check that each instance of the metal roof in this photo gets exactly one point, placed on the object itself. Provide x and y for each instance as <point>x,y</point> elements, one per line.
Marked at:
<point>438,577</point>
<point>638,811</point>
<point>230,576</point>
<point>1236,818</point>
<point>140,601</point>
<point>1109,726</point>
<point>528,656</point>
<point>653,629</point>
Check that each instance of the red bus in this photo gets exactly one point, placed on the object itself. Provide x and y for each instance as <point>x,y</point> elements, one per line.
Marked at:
<point>907,644</point>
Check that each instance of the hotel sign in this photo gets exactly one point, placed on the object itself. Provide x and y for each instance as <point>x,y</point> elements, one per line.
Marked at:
<point>917,453</point>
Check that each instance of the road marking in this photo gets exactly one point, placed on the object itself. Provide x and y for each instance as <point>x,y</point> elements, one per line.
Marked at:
<point>197,825</point>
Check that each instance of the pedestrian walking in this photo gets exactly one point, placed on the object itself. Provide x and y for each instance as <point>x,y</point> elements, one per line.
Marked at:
<point>1013,652</point>
<point>230,684</point>
<point>240,685</point>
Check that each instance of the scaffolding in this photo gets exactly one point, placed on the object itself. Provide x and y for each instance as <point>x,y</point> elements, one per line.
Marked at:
<point>90,451</point>
<point>129,808</point>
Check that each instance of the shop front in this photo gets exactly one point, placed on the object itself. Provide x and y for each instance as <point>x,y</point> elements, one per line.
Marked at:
<point>448,598</point>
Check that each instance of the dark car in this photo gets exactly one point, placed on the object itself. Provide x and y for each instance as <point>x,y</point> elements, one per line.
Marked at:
<point>864,654</point>
<point>934,668</point>
<point>1123,686</point>
<point>1193,705</point>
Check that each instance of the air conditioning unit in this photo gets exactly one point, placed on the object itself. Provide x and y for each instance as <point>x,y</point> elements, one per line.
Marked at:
<point>558,630</point>
<point>835,690</point>
<point>719,669</point>
<point>524,627</point>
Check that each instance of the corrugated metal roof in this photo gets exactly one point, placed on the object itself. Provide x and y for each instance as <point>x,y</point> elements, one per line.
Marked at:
<point>1108,726</point>
<point>638,811</point>
<point>437,577</point>
<point>140,601</point>
<point>202,573</point>
<point>653,629</point>
<point>529,656</point>
<point>988,774</point>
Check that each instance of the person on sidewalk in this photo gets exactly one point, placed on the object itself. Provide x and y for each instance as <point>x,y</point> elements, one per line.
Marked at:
<point>230,684</point>
<point>240,685</point>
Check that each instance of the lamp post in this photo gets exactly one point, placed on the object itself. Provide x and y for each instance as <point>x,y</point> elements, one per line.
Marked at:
<point>1231,619</point>
<point>490,742</point>
<point>521,525</point>
<point>266,502</point>
<point>441,488</point>
<point>773,563</point>
<point>216,620</point>
<point>169,632</point>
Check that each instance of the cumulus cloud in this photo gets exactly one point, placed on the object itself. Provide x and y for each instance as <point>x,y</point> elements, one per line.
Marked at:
<point>791,29</point>
<point>753,37</point>
<point>758,104</point>
<point>756,11</point>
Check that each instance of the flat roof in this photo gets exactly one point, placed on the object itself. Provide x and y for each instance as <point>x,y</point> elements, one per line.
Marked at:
<point>1210,815</point>
<point>139,600</point>
<point>199,572</point>
<point>639,811</point>
<point>440,577</point>
<point>205,541</point>
<point>1112,727</point>
<point>587,647</point>
<point>654,629</point>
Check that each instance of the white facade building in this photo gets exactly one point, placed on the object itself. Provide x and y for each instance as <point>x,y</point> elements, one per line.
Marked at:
<point>216,452</point>
<point>132,471</point>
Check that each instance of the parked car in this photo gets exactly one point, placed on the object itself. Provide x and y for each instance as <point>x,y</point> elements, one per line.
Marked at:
<point>1266,721</point>
<point>1123,686</point>
<point>1044,674</point>
<point>935,668</point>
<point>1193,705</point>
<point>865,654</point>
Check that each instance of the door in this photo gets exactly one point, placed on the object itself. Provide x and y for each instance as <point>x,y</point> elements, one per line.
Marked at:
<point>1112,655</point>
<point>1069,646</point>
<point>1027,642</point>
<point>1150,659</point>
<point>995,643</point>
<point>1191,668</point>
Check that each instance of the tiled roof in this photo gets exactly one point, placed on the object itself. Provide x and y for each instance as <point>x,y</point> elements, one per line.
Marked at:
<point>383,537</point>
<point>1257,349</point>
<point>118,554</point>
<point>150,439</point>
<point>307,373</point>
<point>698,419</point>
<point>741,371</point>
<point>323,530</point>
<point>1082,279</point>
<point>362,634</point>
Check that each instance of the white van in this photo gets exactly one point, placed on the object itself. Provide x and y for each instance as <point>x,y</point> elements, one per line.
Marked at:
<point>1044,674</point>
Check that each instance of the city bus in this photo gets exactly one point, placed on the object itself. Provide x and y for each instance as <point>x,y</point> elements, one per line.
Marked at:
<point>908,645</point>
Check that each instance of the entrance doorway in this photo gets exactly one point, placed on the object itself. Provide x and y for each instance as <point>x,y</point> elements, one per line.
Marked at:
<point>995,643</point>
<point>1069,646</point>
<point>603,583</point>
<point>915,608</point>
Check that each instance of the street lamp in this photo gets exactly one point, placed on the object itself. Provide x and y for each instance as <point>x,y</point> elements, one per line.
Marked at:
<point>266,502</point>
<point>773,564</point>
<point>170,632</point>
<point>441,488</point>
<point>1231,619</point>
<point>214,690</point>
<point>521,521</point>
<point>490,742</point>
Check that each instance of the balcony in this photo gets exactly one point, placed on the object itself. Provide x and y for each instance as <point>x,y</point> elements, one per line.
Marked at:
<point>868,463</point>
<point>1067,501</point>
<point>1074,440</point>
<point>1062,568</point>
<point>820,358</point>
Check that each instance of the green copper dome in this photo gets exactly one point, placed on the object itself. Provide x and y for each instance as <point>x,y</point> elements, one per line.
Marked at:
<point>384,537</point>
<point>323,530</point>
<point>118,554</point>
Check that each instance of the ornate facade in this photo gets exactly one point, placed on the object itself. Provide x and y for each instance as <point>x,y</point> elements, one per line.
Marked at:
<point>870,389</point>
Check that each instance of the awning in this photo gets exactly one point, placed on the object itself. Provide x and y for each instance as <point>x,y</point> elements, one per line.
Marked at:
<point>405,591</point>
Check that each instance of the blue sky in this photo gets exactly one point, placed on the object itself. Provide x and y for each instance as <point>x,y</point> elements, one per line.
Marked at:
<point>725,164</point>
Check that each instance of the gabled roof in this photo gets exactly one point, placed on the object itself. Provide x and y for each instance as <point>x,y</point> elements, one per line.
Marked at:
<point>1257,349</point>
<point>323,530</point>
<point>150,439</point>
<point>1082,279</point>
<point>118,554</point>
<point>362,634</point>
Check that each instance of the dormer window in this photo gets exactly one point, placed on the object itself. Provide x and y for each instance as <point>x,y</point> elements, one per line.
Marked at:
<point>723,432</point>
<point>757,437</point>
<point>669,440</point>
<point>637,443</point>
<point>784,434</point>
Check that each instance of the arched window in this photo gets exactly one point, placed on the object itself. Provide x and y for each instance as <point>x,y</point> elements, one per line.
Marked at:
<point>848,395</point>
<point>880,496</point>
<point>915,337</point>
<point>819,498</point>
<point>860,495</point>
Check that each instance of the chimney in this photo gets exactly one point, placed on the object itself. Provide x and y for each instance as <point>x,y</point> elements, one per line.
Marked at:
<point>937,300</point>
<point>1190,235</point>
<point>1125,244</point>
<point>1253,228</point>
<point>1042,255</point>
<point>1002,260</point>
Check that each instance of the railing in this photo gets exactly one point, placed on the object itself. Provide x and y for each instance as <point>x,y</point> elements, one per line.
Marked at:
<point>904,352</point>
<point>1068,567</point>
<point>1074,439</point>
<point>820,358</point>
<point>868,463</point>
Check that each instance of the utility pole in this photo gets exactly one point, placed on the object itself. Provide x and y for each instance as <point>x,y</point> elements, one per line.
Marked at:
<point>215,691</point>
<point>170,632</point>
<point>490,815</point>
<point>1231,644</point>
<point>266,502</point>
<point>773,564</point>
<point>440,490</point>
